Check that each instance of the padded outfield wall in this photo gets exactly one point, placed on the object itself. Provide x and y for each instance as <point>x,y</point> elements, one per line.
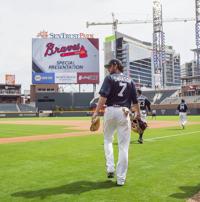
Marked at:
<point>63,101</point>
<point>170,109</point>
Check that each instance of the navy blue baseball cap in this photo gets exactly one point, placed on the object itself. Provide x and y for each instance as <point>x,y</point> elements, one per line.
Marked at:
<point>114,62</point>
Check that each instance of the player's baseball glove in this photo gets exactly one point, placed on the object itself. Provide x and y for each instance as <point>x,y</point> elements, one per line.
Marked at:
<point>95,124</point>
<point>138,125</point>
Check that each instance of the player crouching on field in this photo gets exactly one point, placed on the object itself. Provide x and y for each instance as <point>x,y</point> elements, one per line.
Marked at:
<point>182,108</point>
<point>145,105</point>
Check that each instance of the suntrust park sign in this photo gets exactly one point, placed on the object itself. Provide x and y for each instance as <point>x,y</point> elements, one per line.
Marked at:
<point>46,34</point>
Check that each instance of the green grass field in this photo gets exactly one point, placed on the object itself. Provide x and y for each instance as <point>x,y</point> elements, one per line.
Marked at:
<point>175,117</point>
<point>165,168</point>
<point>13,130</point>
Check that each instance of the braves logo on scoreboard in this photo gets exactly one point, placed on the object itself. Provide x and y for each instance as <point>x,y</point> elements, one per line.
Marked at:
<point>65,51</point>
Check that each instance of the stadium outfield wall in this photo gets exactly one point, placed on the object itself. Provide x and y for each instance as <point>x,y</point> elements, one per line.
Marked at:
<point>63,101</point>
<point>171,109</point>
<point>162,110</point>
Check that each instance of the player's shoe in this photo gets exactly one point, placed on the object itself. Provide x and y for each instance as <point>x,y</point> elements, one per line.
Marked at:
<point>183,126</point>
<point>140,141</point>
<point>120,183</point>
<point>111,175</point>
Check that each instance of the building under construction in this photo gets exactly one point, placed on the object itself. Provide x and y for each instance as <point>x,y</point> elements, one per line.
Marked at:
<point>190,78</point>
<point>138,60</point>
<point>190,71</point>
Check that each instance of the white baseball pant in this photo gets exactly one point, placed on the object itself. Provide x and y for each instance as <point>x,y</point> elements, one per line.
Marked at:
<point>114,118</point>
<point>144,115</point>
<point>183,118</point>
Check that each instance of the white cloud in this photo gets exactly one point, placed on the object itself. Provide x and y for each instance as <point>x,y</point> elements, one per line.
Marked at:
<point>22,19</point>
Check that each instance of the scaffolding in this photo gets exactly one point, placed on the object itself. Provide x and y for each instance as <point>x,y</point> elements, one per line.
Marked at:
<point>158,44</point>
<point>197,51</point>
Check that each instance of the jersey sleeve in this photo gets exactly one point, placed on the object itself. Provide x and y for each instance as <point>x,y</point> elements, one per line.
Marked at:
<point>186,108</point>
<point>106,87</point>
<point>178,108</point>
<point>133,93</point>
<point>148,104</point>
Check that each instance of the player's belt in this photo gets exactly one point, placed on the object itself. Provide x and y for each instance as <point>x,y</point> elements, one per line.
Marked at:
<point>117,106</point>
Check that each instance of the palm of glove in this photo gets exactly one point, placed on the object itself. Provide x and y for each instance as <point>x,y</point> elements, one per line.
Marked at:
<point>95,124</point>
<point>138,125</point>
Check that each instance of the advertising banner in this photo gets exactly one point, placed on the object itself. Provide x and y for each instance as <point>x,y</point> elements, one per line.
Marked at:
<point>88,77</point>
<point>65,60</point>
<point>70,77</point>
<point>10,79</point>
<point>43,78</point>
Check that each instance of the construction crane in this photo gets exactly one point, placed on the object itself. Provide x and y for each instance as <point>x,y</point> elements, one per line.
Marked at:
<point>138,21</point>
<point>197,29</point>
<point>116,22</point>
<point>158,35</point>
<point>159,52</point>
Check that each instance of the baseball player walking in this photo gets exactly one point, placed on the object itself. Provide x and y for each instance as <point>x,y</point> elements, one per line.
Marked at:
<point>153,114</point>
<point>118,93</point>
<point>182,108</point>
<point>145,105</point>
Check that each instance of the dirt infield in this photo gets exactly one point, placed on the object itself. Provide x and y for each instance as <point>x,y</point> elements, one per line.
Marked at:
<point>82,125</point>
<point>40,137</point>
<point>195,198</point>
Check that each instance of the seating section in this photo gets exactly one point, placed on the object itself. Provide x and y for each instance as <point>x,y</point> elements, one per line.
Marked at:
<point>198,99</point>
<point>16,108</point>
<point>177,100</point>
<point>157,97</point>
<point>150,95</point>
<point>165,94</point>
<point>8,107</point>
<point>171,100</point>
<point>26,108</point>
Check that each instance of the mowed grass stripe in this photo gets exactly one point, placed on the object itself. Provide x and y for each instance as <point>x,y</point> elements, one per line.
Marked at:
<point>165,118</point>
<point>175,118</point>
<point>168,131</point>
<point>17,130</point>
<point>45,118</point>
<point>12,130</point>
<point>170,136</point>
<point>73,169</point>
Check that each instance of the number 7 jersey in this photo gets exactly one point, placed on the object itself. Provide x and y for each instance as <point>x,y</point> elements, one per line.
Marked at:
<point>119,90</point>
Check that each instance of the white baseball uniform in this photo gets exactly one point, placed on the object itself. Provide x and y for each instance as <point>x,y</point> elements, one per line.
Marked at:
<point>183,118</point>
<point>182,108</point>
<point>114,118</point>
<point>120,93</point>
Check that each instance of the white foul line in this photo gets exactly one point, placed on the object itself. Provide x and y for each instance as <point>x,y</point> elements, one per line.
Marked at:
<point>163,137</point>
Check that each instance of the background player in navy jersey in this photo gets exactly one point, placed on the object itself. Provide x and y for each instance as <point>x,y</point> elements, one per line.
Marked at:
<point>153,114</point>
<point>145,106</point>
<point>182,108</point>
<point>118,93</point>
